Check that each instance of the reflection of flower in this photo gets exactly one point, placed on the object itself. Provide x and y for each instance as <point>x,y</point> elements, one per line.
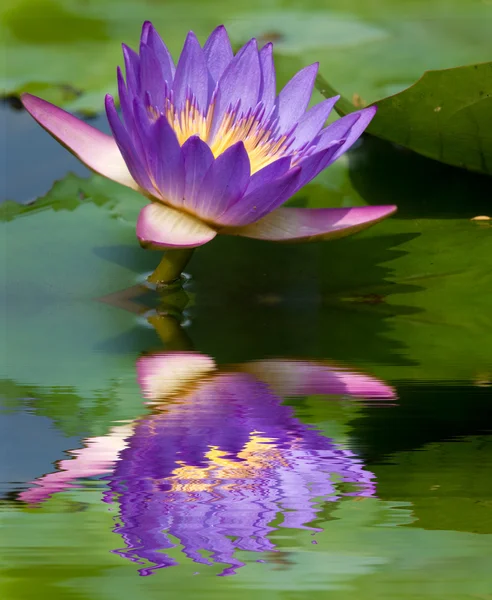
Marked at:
<point>220,459</point>
<point>213,146</point>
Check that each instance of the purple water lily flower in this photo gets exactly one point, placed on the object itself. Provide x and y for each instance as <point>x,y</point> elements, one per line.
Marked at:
<point>213,146</point>
<point>220,459</point>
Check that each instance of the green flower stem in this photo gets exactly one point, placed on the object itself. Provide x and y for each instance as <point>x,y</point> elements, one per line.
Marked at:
<point>171,266</point>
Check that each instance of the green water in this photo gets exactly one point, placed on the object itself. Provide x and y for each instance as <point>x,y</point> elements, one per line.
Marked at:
<point>406,303</point>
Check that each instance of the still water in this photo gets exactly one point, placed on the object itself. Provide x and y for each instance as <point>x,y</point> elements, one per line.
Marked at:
<point>210,443</point>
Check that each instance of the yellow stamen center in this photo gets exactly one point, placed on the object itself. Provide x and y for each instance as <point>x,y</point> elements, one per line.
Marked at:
<point>261,145</point>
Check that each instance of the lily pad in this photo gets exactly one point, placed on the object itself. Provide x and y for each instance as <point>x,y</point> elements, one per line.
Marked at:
<point>446,115</point>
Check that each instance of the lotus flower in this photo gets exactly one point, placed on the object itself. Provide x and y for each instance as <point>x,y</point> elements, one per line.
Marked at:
<point>220,459</point>
<point>212,146</point>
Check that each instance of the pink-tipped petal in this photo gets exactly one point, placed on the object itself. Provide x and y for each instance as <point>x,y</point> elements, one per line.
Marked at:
<point>162,227</point>
<point>164,374</point>
<point>305,378</point>
<point>309,224</point>
<point>95,149</point>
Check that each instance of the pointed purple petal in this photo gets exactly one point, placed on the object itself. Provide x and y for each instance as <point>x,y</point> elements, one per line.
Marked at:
<point>268,87</point>
<point>191,74</point>
<point>132,70</point>
<point>167,163</point>
<point>151,78</point>
<point>145,31</point>
<point>224,183</point>
<point>164,58</point>
<point>132,158</point>
<point>269,173</point>
<point>218,52</point>
<point>294,98</point>
<point>162,227</point>
<point>240,81</point>
<point>126,101</point>
<point>95,149</point>
<point>314,164</point>
<point>261,201</point>
<point>350,128</point>
<point>307,224</point>
<point>198,159</point>
<point>310,123</point>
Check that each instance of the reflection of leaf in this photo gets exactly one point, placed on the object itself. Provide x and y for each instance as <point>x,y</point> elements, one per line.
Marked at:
<point>446,115</point>
<point>365,551</point>
<point>448,484</point>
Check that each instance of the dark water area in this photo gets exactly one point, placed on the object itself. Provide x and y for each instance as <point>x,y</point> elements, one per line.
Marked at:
<point>269,431</point>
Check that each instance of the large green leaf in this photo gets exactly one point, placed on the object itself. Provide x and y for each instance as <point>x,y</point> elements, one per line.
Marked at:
<point>446,115</point>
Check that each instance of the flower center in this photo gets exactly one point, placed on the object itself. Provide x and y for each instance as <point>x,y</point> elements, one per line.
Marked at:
<point>260,140</point>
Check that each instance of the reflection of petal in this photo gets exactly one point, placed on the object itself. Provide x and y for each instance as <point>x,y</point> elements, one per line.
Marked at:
<point>303,378</point>
<point>221,460</point>
<point>161,375</point>
<point>97,458</point>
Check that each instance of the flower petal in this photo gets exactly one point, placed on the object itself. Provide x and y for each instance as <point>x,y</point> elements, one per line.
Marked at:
<point>309,224</point>
<point>239,82</point>
<point>350,128</point>
<point>164,58</point>
<point>314,164</point>
<point>268,87</point>
<point>95,149</point>
<point>311,122</point>
<point>306,378</point>
<point>151,77</point>
<point>198,159</point>
<point>166,373</point>
<point>272,171</point>
<point>161,227</point>
<point>167,163</point>
<point>132,70</point>
<point>294,98</point>
<point>261,201</point>
<point>132,158</point>
<point>126,101</point>
<point>224,183</point>
<point>218,52</point>
<point>191,74</point>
